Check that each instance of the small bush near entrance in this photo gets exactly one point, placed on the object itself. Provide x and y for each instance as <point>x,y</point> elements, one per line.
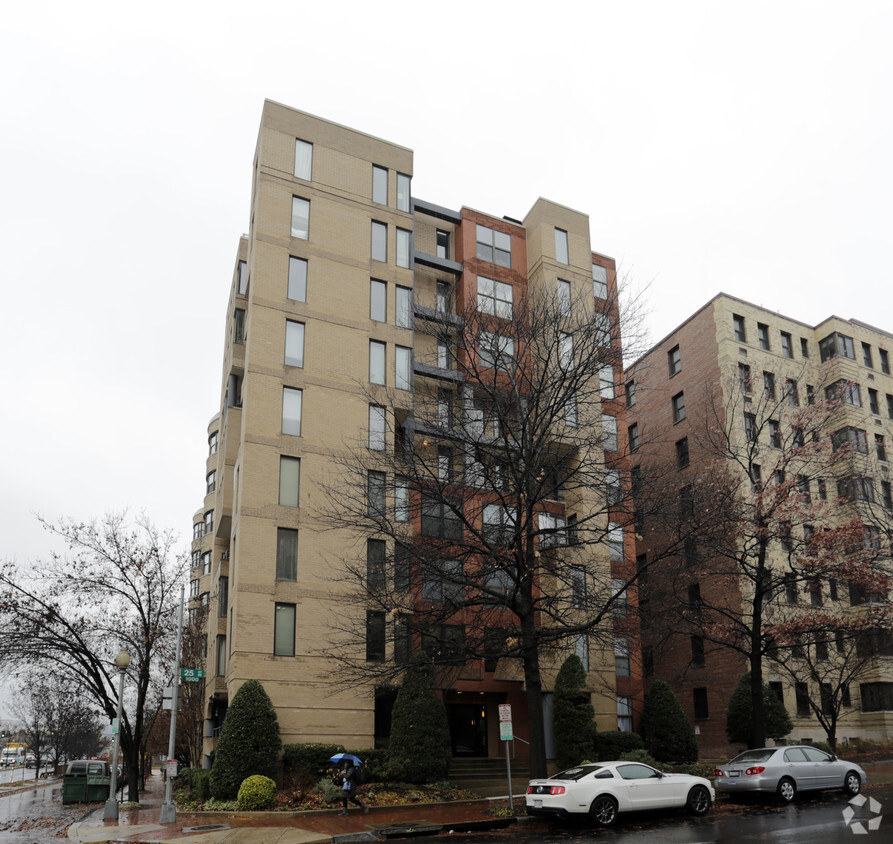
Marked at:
<point>613,744</point>
<point>668,735</point>
<point>420,738</point>
<point>256,794</point>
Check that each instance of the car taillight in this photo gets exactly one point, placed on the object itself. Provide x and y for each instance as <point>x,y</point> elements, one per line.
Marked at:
<point>545,789</point>
<point>718,773</point>
<point>752,771</point>
<point>556,789</point>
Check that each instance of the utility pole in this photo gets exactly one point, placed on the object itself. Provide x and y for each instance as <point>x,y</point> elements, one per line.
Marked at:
<point>169,808</point>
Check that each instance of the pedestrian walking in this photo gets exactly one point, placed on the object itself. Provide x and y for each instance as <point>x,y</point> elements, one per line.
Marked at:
<point>349,788</point>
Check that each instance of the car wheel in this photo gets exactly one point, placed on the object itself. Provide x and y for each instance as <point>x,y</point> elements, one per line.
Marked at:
<point>603,810</point>
<point>698,801</point>
<point>852,783</point>
<point>786,791</point>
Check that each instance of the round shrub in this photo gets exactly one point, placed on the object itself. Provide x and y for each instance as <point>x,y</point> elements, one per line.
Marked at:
<point>256,794</point>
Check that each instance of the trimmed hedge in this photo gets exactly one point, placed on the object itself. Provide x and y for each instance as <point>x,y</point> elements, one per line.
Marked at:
<point>613,744</point>
<point>375,764</point>
<point>256,793</point>
<point>311,760</point>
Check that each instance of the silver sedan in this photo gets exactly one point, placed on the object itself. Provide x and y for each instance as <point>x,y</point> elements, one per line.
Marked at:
<point>784,771</point>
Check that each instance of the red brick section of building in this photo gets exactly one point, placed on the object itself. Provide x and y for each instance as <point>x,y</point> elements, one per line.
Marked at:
<point>684,363</point>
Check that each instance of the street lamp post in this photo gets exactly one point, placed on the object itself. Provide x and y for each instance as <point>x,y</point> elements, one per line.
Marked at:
<point>122,660</point>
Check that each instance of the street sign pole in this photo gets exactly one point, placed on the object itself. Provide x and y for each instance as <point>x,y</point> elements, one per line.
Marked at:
<point>506,733</point>
<point>169,808</point>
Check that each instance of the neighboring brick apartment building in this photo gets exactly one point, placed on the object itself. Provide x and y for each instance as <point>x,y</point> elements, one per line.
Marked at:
<point>335,289</point>
<point>700,365</point>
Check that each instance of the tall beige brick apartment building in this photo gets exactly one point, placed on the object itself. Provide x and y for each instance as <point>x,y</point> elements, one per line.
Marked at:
<point>342,292</point>
<point>754,374</point>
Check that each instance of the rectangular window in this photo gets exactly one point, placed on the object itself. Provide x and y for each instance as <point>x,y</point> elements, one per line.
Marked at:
<point>494,246</point>
<point>578,587</point>
<point>286,554</point>
<point>682,457</point>
<point>378,300</point>
<point>403,368</point>
<point>880,448</point>
<point>212,443</point>
<point>889,406</point>
<point>697,652</point>
<point>440,517</point>
<point>744,381</point>
<point>404,192</point>
<point>615,541</point>
<point>570,411</point>
<point>885,361</point>
<point>193,588</point>
<point>763,335</point>
<point>496,351</point>
<point>866,356</point>
<point>787,345</point>
<point>674,362</point>
<point>297,279</point>
<point>379,185</point>
<point>294,343</point>
<point>566,351</point>
<point>243,278</point>
<point>854,438</point>
<point>375,636</point>
<point>699,700</point>
<point>284,634</point>
<point>876,697</point>
<point>292,401</point>
<point>791,393</point>
<point>377,420</point>
<point>289,481</point>
<point>621,656</point>
<point>619,595</point>
<point>581,649</point>
<point>375,563</point>
<point>209,522</point>
<point>599,282</point>
<point>804,347</point>
<point>624,714</point>
<point>738,324</point>
<point>403,307</point>
<point>375,494</point>
<point>401,500</point>
<point>221,656</point>
<point>603,329</point>
<point>223,597</point>
<point>300,218</point>
<point>494,297</point>
<point>561,253</point>
<point>609,432</point>
<point>376,362</point>
<point>678,407</point>
<point>630,393</point>
<point>887,495</point>
<point>632,433</point>
<point>239,326</point>
<point>801,692</point>
<point>379,250</point>
<point>404,248</point>
<point>837,344</point>
<point>210,481</point>
<point>303,159</point>
<point>443,244</point>
<point>769,386</point>
<point>873,405</point>
<point>553,530</point>
<point>564,297</point>
<point>613,489</point>
<point>402,568</point>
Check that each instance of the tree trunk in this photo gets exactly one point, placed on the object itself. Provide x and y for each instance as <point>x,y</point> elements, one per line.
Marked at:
<point>534,684</point>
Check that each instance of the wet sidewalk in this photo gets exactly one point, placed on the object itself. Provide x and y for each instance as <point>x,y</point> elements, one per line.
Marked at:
<point>317,827</point>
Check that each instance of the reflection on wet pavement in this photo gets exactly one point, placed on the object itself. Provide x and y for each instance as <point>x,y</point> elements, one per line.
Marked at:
<point>37,815</point>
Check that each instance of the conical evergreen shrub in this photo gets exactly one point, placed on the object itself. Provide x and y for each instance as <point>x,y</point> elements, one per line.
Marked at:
<point>419,750</point>
<point>573,724</point>
<point>668,735</point>
<point>739,716</point>
<point>249,742</point>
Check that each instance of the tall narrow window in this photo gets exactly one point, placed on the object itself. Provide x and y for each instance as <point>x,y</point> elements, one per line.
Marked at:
<point>221,656</point>
<point>619,593</point>
<point>697,651</point>
<point>243,278</point>
<point>239,326</point>
<point>292,401</point>
<point>375,494</point>
<point>377,420</point>
<point>674,361</point>
<point>403,368</point>
<point>564,297</point>
<point>401,500</point>
<point>286,554</point>
<point>378,300</point>
<point>632,433</point>
<point>763,335</point>
<point>300,218</point>
<point>621,656</point>
<point>379,241</point>
<point>866,356</point>
<point>289,481</point>
<point>599,282</point>
<point>284,635</point>
<point>294,343</point>
<point>699,699</point>
<point>375,563</point>
<point>561,253</point>
<point>738,325</point>
<point>609,432</point>
<point>403,307</point>
<point>624,714</point>
<point>678,407</point>
<point>615,540</point>
<point>566,352</point>
<point>375,636</point>
<point>376,362</point>
<point>443,244</point>
<point>404,247</point>
<point>379,185</point>
<point>578,586</point>
<point>885,361</point>
<point>581,649</point>
<point>297,279</point>
<point>223,597</point>
<point>303,159</point>
<point>404,184</point>
<point>787,345</point>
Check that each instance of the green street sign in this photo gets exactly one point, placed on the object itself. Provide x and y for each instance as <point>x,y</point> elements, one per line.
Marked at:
<point>192,675</point>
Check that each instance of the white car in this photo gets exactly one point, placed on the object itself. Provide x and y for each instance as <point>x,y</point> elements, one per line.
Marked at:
<point>604,789</point>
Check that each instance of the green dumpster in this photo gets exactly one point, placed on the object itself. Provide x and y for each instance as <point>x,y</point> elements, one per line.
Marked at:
<point>86,781</point>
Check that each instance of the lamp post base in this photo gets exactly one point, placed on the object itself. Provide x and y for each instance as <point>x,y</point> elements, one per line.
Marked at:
<point>111,810</point>
<point>168,813</point>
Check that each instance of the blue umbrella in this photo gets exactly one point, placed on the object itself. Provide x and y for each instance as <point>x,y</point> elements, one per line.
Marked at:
<point>346,757</point>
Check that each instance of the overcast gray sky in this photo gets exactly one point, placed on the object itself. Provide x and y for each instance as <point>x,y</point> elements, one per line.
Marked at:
<point>743,147</point>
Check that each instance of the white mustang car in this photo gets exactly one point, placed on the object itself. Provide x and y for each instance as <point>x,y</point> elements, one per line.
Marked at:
<point>604,789</point>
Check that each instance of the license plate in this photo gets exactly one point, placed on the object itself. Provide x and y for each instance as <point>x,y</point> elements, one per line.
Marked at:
<point>734,773</point>
<point>537,804</point>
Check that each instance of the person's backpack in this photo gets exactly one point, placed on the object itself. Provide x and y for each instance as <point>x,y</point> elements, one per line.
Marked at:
<point>360,776</point>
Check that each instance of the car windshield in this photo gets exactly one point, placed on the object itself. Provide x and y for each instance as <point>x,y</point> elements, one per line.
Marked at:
<point>754,755</point>
<point>576,773</point>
